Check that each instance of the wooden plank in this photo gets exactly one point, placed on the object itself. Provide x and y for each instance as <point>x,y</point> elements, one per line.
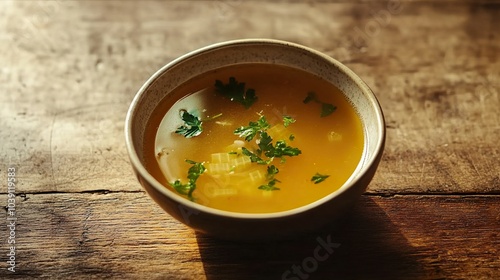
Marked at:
<point>70,68</point>
<point>67,85</point>
<point>125,235</point>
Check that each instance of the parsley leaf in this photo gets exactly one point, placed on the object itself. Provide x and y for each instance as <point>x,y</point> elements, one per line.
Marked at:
<point>270,186</point>
<point>250,131</point>
<point>318,178</point>
<point>253,157</point>
<point>193,173</point>
<point>265,142</point>
<point>282,149</point>
<point>266,147</point>
<point>326,108</point>
<point>191,127</point>
<point>310,97</point>
<point>271,171</point>
<point>235,91</point>
<point>287,120</point>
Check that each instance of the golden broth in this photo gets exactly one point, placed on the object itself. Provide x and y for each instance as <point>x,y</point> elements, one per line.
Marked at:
<point>330,145</point>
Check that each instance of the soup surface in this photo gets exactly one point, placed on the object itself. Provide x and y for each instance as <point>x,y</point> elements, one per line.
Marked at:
<point>282,140</point>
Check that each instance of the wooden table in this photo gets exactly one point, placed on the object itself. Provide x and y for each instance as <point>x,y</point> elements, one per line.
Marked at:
<point>69,70</point>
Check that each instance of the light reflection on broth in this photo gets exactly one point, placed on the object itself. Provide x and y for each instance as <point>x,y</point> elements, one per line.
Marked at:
<point>330,145</point>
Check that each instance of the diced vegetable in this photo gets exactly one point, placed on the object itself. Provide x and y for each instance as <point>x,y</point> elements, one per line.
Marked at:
<point>278,132</point>
<point>212,190</point>
<point>334,136</point>
<point>219,168</point>
<point>227,163</point>
<point>222,157</point>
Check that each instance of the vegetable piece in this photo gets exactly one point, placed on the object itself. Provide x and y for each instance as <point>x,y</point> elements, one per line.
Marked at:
<point>233,165</point>
<point>191,127</point>
<point>318,178</point>
<point>223,157</point>
<point>219,168</point>
<point>278,132</point>
<point>326,108</point>
<point>235,91</point>
<point>334,136</point>
<point>193,173</point>
<point>240,180</point>
<point>213,190</point>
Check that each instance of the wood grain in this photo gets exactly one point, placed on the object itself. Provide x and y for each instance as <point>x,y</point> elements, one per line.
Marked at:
<point>125,235</point>
<point>437,81</point>
<point>69,69</point>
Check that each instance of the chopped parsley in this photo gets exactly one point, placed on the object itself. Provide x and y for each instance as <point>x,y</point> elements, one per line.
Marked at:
<point>267,150</point>
<point>326,108</point>
<point>264,142</point>
<point>191,127</point>
<point>192,124</point>
<point>287,120</point>
<point>281,149</point>
<point>270,186</point>
<point>253,157</point>
<point>193,173</point>
<point>318,178</point>
<point>235,91</point>
<point>250,131</point>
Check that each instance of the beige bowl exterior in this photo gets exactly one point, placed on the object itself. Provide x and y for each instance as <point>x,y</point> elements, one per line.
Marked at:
<point>242,226</point>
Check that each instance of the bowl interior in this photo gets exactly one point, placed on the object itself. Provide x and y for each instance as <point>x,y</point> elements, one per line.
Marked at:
<point>213,57</point>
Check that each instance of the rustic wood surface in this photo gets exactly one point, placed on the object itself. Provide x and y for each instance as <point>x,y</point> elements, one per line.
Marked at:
<point>69,69</point>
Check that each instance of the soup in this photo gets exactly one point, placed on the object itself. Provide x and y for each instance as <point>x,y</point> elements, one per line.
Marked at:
<point>254,138</point>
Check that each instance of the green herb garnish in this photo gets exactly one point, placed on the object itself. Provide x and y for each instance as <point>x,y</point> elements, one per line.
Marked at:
<point>191,127</point>
<point>287,120</point>
<point>264,142</point>
<point>270,186</point>
<point>267,150</point>
<point>326,108</point>
<point>250,131</point>
<point>291,137</point>
<point>193,173</point>
<point>253,157</point>
<point>192,124</point>
<point>271,171</point>
<point>235,91</point>
<point>318,178</point>
<point>281,149</point>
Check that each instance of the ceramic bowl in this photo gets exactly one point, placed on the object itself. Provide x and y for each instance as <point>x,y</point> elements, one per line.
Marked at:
<point>242,226</point>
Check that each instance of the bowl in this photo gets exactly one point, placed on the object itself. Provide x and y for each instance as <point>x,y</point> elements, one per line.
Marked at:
<point>261,226</point>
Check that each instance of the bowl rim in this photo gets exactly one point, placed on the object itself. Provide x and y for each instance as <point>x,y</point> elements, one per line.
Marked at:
<point>140,168</point>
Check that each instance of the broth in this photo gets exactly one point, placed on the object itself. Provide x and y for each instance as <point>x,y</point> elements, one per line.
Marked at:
<point>329,145</point>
